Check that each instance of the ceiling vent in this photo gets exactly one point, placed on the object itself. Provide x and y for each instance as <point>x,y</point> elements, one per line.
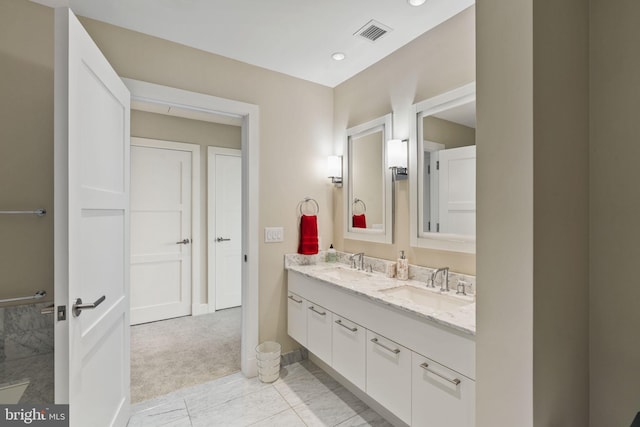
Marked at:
<point>373,31</point>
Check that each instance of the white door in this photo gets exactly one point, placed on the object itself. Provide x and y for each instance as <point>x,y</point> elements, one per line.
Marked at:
<point>225,226</point>
<point>91,202</point>
<point>457,192</point>
<point>160,231</point>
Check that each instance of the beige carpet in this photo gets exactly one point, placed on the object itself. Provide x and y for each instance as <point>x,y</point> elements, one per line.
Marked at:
<point>177,353</point>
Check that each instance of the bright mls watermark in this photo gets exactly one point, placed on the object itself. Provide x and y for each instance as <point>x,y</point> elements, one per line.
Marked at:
<point>34,415</point>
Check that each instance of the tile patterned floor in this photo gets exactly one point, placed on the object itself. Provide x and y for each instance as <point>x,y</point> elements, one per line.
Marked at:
<point>303,396</point>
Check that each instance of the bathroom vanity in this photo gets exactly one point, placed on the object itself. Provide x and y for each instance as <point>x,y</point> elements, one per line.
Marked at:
<point>410,348</point>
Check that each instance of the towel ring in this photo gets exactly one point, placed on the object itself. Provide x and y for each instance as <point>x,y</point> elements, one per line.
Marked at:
<point>307,201</point>
<point>356,202</point>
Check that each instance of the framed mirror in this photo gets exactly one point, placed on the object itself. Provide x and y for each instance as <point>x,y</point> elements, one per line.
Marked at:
<point>367,199</point>
<point>442,151</point>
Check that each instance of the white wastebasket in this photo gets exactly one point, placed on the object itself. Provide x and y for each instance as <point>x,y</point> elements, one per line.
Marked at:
<point>268,359</point>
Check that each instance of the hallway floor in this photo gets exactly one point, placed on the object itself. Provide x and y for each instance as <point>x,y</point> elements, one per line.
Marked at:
<point>172,354</point>
<point>303,396</point>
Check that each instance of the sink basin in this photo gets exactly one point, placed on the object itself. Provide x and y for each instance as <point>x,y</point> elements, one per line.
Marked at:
<point>341,273</point>
<point>426,298</point>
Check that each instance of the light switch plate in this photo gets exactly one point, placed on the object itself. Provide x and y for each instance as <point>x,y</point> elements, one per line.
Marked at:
<point>273,234</point>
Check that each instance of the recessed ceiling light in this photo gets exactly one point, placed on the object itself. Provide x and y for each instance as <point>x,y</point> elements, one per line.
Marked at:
<point>416,2</point>
<point>338,56</point>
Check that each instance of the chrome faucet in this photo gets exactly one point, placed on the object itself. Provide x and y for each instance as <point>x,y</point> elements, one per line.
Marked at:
<point>444,285</point>
<point>360,264</point>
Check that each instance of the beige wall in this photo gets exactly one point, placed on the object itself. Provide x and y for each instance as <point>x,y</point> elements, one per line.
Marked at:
<point>438,61</point>
<point>615,209</point>
<point>504,192</point>
<point>26,148</point>
<point>451,134</point>
<point>205,134</point>
<point>532,135</point>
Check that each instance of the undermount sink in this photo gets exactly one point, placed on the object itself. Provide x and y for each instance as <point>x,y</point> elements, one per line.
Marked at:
<point>426,298</point>
<point>346,273</point>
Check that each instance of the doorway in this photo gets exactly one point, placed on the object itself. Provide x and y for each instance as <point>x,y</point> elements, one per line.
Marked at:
<point>169,348</point>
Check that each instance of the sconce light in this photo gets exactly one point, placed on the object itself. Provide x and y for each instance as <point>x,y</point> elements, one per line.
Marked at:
<point>397,158</point>
<point>334,169</point>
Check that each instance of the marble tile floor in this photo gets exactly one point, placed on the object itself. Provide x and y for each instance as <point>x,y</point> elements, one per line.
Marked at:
<point>304,395</point>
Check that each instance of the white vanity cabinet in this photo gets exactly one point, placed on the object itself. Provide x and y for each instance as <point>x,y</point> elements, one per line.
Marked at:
<point>348,350</point>
<point>389,375</point>
<point>297,312</point>
<point>319,331</point>
<point>440,396</point>
<point>395,357</point>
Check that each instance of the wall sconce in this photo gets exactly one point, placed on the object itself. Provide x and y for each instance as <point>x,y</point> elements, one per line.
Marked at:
<point>397,158</point>
<point>334,169</point>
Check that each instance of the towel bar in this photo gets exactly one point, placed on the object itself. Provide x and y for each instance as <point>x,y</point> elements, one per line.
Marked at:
<point>37,295</point>
<point>39,212</point>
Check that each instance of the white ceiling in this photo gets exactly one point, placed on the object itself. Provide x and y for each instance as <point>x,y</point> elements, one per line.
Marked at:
<point>294,37</point>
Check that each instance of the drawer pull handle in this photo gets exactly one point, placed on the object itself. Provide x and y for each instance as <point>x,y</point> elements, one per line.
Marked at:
<point>425,366</point>
<point>339,322</point>
<point>294,300</point>
<point>321,313</point>
<point>392,350</point>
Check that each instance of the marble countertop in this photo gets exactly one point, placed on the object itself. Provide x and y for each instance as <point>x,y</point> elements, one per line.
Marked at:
<point>375,286</point>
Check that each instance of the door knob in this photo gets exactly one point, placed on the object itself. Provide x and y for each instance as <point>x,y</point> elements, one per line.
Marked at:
<point>79,306</point>
<point>222,239</point>
<point>183,242</point>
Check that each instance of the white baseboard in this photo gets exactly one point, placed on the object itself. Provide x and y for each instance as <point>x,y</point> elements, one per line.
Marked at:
<point>384,412</point>
<point>198,309</point>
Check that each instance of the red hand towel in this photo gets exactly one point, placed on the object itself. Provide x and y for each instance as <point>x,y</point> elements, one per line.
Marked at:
<point>308,235</point>
<point>359,221</point>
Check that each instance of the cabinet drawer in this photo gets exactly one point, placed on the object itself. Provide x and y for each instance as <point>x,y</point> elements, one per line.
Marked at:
<point>440,396</point>
<point>297,318</point>
<point>389,375</point>
<point>348,350</point>
<point>319,331</point>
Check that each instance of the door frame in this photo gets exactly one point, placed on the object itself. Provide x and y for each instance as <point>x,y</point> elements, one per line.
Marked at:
<point>211,261</point>
<point>168,96</point>
<point>194,149</point>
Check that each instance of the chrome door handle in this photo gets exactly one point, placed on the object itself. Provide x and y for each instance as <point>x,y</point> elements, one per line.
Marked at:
<point>392,350</point>
<point>183,242</point>
<point>339,322</point>
<point>294,300</point>
<point>453,381</point>
<point>79,306</point>
<point>321,313</point>
<point>222,239</point>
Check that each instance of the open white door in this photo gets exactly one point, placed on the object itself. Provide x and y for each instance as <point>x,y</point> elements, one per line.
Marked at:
<point>91,200</point>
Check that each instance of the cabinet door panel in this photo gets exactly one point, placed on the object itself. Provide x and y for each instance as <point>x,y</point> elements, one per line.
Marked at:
<point>348,350</point>
<point>389,375</point>
<point>440,396</point>
<point>319,331</point>
<point>297,318</point>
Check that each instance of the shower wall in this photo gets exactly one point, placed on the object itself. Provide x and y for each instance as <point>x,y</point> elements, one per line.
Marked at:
<point>26,351</point>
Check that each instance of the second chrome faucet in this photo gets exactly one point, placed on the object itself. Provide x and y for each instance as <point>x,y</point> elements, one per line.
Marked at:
<point>444,284</point>
<point>360,264</point>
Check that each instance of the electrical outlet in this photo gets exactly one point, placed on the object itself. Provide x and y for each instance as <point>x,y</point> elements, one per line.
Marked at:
<point>273,234</point>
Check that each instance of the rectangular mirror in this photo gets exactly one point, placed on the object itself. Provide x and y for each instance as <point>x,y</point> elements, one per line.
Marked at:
<point>367,199</point>
<point>443,189</point>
